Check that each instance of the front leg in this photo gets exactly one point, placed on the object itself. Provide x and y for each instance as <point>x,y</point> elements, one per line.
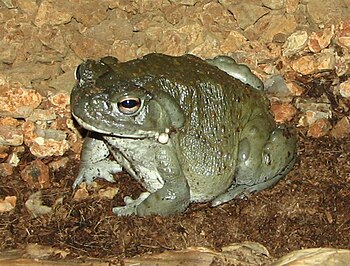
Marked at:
<point>94,162</point>
<point>173,197</point>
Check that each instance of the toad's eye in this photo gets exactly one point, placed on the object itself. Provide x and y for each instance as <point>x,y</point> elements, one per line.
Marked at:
<point>129,106</point>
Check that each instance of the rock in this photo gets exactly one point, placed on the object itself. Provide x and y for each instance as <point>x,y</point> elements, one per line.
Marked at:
<point>295,43</point>
<point>247,14</point>
<point>52,37</point>
<point>233,42</point>
<point>319,128</point>
<point>185,2</point>
<point>42,115</point>
<point>325,12</point>
<point>274,4</point>
<point>7,52</point>
<point>60,163</point>
<point>52,13</point>
<point>85,47</point>
<point>44,142</point>
<point>174,14</point>
<point>29,7</point>
<point>277,86</point>
<point>36,174</point>
<point>125,50</point>
<point>13,159</point>
<point>344,88</point>
<point>313,111</point>
<point>11,136</point>
<point>295,89</point>
<point>108,193</point>
<point>8,204</point>
<point>116,27</point>
<point>60,100</point>
<point>81,193</point>
<point>6,169</point>
<point>63,83</point>
<point>171,43</point>
<point>341,128</point>
<point>271,25</point>
<point>311,64</point>
<point>10,132</point>
<point>18,103</point>
<point>68,65</point>
<point>283,112</point>
<point>4,151</point>
<point>320,40</point>
<point>291,6</point>
<point>35,205</point>
<point>24,74</point>
<point>341,65</point>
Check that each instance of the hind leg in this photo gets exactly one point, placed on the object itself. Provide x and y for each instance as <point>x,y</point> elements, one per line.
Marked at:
<point>259,170</point>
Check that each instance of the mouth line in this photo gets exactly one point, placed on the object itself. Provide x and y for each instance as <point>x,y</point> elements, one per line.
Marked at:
<point>142,135</point>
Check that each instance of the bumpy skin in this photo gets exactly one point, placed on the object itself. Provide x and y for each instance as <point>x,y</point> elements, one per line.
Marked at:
<point>198,134</point>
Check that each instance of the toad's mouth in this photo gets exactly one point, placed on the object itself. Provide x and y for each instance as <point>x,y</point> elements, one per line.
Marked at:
<point>161,137</point>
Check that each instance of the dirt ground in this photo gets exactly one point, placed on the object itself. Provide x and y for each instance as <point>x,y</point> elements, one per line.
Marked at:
<point>309,208</point>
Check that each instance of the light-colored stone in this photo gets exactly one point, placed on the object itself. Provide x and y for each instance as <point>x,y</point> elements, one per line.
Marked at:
<point>116,27</point>
<point>44,142</point>
<point>125,50</point>
<point>247,14</point>
<point>35,206</point>
<point>58,164</point>
<point>341,65</point>
<point>42,115</point>
<point>344,88</point>
<point>341,128</point>
<point>320,40</point>
<point>311,64</point>
<point>6,169</point>
<point>36,174</point>
<point>325,11</point>
<point>52,37</point>
<point>295,89</point>
<point>319,128</point>
<point>274,4</point>
<point>185,2</point>
<point>8,204</point>
<point>233,42</point>
<point>10,132</point>
<point>271,25</point>
<point>50,13</point>
<point>313,111</point>
<point>19,103</point>
<point>24,74</point>
<point>29,7</point>
<point>108,193</point>
<point>86,47</point>
<point>283,112</point>
<point>295,43</point>
<point>276,86</point>
<point>291,6</point>
<point>63,83</point>
<point>60,100</point>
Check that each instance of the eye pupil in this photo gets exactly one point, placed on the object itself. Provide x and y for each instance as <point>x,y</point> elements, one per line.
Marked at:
<point>129,106</point>
<point>129,103</point>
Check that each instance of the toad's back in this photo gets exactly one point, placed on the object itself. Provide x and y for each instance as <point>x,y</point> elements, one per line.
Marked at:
<point>216,107</point>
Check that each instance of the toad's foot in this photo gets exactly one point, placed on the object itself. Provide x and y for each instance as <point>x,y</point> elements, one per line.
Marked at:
<point>131,205</point>
<point>102,169</point>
